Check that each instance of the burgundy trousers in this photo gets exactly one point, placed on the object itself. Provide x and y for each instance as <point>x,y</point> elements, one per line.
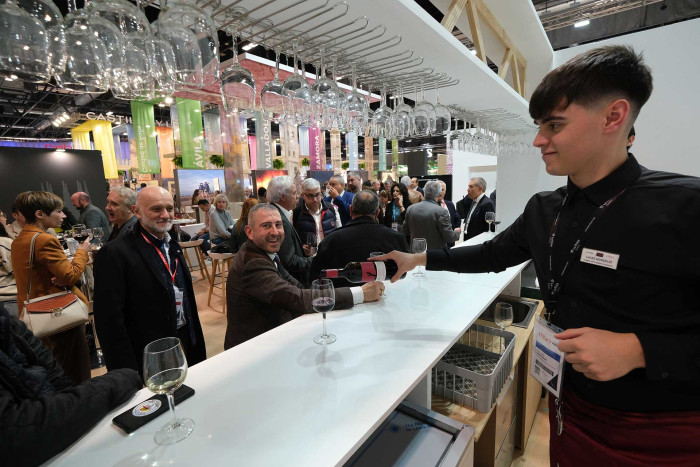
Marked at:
<point>600,437</point>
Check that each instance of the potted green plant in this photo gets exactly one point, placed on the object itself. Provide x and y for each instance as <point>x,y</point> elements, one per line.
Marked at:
<point>177,161</point>
<point>216,160</point>
<point>345,165</point>
<point>305,162</point>
<point>278,164</point>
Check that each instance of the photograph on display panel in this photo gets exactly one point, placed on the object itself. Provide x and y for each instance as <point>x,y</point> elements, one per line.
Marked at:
<point>206,181</point>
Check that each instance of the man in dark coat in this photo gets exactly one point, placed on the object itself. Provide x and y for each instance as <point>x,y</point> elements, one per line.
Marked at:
<point>138,299</point>
<point>261,294</point>
<point>356,240</point>
<point>473,208</point>
<point>282,193</point>
<point>42,411</point>
<point>340,198</point>
<point>313,215</point>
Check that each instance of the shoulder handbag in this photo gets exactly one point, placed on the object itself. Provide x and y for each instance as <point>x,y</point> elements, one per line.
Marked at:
<point>52,313</point>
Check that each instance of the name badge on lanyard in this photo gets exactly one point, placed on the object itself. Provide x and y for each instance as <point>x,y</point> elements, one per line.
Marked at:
<point>179,309</point>
<point>599,258</point>
<point>547,360</point>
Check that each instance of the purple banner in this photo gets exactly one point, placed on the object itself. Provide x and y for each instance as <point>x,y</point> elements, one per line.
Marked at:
<point>317,160</point>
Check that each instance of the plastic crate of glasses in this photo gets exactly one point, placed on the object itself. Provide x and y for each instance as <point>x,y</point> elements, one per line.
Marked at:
<point>473,373</point>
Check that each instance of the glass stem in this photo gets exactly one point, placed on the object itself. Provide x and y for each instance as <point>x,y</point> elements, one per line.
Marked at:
<point>324,325</point>
<point>171,403</point>
<point>235,47</point>
<point>277,65</point>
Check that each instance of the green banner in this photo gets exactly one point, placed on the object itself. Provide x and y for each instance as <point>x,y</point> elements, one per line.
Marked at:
<point>189,114</point>
<point>395,152</point>
<point>145,138</point>
<point>382,153</point>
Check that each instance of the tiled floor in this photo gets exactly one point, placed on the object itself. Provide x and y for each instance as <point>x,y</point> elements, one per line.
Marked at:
<point>213,321</point>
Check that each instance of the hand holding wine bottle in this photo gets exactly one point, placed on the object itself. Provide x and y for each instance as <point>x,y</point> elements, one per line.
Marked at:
<point>404,262</point>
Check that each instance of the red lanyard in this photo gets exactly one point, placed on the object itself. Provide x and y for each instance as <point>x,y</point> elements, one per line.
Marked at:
<point>162,256</point>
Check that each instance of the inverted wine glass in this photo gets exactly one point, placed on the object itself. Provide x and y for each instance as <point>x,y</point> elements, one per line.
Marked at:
<point>323,301</point>
<point>383,119</point>
<point>273,99</point>
<point>424,115</point>
<point>297,89</point>
<point>203,27</point>
<point>403,116</point>
<point>443,117</point>
<point>48,13</point>
<point>164,371</point>
<point>237,83</point>
<point>25,45</point>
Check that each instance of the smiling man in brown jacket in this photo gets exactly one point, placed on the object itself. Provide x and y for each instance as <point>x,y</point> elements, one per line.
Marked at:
<point>260,294</point>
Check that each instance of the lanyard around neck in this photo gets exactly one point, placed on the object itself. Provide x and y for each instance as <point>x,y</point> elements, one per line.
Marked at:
<point>556,280</point>
<point>162,257</point>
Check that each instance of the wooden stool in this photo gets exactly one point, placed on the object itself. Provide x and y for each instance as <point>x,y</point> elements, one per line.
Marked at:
<point>225,260</point>
<point>195,244</point>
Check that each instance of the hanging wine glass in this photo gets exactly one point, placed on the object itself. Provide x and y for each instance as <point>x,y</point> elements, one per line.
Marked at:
<point>87,69</point>
<point>164,76</point>
<point>384,118</point>
<point>134,76</point>
<point>48,13</point>
<point>188,71</point>
<point>403,116</point>
<point>25,45</point>
<point>325,89</point>
<point>443,118</point>
<point>237,83</point>
<point>202,26</point>
<point>297,89</point>
<point>356,104</point>
<point>335,99</point>
<point>424,115</point>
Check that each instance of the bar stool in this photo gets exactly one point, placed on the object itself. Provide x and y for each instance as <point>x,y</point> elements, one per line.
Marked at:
<point>195,244</point>
<point>225,260</point>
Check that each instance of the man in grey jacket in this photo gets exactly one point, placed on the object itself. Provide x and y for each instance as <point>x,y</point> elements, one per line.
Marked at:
<point>90,215</point>
<point>120,211</point>
<point>429,220</point>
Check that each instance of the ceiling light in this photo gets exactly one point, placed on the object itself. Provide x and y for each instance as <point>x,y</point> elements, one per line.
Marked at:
<point>125,133</point>
<point>110,113</point>
<point>13,76</point>
<point>9,79</point>
<point>47,18</point>
<point>161,105</point>
<point>250,45</point>
<point>168,100</point>
<point>581,24</point>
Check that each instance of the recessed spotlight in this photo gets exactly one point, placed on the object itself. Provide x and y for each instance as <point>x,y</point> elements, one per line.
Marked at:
<point>249,46</point>
<point>168,100</point>
<point>110,113</point>
<point>581,24</point>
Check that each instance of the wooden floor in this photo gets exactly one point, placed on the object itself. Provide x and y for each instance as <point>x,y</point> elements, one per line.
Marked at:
<point>213,321</point>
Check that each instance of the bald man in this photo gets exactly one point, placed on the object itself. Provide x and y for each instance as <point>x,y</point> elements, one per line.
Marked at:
<point>90,215</point>
<point>143,289</point>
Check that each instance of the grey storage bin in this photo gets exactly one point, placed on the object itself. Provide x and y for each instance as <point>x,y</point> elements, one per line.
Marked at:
<point>472,374</point>
<point>414,436</point>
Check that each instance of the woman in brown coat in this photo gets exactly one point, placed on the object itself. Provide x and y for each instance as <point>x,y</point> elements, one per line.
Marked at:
<point>52,271</point>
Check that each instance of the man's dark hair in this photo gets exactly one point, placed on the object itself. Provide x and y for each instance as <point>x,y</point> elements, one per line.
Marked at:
<point>262,192</point>
<point>202,202</point>
<point>606,72</point>
<point>143,185</point>
<point>365,203</point>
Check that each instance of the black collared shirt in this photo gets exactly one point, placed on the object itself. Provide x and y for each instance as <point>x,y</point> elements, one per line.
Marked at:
<point>654,227</point>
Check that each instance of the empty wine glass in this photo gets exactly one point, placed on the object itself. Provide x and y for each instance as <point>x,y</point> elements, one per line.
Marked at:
<point>25,45</point>
<point>503,317</point>
<point>490,217</point>
<point>188,70</point>
<point>48,13</point>
<point>424,115</point>
<point>403,116</point>
<point>325,89</point>
<point>237,83</point>
<point>356,104</point>
<point>383,118</point>
<point>443,118</point>
<point>164,370</point>
<point>323,301</point>
<point>183,14</point>
<point>419,245</point>
<point>297,89</point>
<point>273,99</point>
<point>98,233</point>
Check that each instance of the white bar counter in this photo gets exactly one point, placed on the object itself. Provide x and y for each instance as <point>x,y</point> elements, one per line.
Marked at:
<point>280,399</point>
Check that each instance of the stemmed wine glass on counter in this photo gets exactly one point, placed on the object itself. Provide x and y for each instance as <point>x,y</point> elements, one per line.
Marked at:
<point>503,317</point>
<point>164,371</point>
<point>490,217</point>
<point>323,301</point>
<point>419,245</point>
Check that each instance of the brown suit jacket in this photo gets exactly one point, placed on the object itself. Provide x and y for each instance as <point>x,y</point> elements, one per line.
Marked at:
<point>260,298</point>
<point>49,261</point>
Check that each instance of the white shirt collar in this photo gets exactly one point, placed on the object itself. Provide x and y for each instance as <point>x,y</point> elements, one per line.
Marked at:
<point>286,212</point>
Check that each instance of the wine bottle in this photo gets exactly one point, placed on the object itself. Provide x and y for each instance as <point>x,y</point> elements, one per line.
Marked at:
<point>364,271</point>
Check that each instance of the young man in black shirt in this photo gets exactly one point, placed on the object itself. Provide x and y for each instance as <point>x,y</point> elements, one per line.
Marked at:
<point>631,385</point>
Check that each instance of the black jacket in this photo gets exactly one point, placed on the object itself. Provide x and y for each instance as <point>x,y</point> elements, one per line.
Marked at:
<point>34,428</point>
<point>304,222</point>
<point>477,223</point>
<point>135,301</point>
<point>354,242</point>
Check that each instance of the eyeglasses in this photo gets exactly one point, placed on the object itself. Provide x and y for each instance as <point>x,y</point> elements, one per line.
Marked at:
<point>312,195</point>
